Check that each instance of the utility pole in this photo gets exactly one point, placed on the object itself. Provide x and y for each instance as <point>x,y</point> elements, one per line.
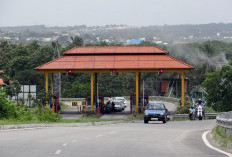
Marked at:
<point>143,92</point>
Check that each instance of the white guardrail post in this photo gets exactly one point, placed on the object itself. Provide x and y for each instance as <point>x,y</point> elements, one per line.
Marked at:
<point>225,121</point>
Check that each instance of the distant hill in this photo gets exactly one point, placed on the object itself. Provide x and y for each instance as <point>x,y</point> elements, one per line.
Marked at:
<point>168,34</point>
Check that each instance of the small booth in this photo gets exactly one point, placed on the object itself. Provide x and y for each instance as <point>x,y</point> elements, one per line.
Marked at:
<point>143,101</point>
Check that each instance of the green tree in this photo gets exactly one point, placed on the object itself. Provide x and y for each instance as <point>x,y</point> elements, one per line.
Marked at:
<point>77,41</point>
<point>218,85</point>
<point>12,87</point>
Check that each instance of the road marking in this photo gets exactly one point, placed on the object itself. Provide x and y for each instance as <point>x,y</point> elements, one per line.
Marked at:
<point>73,141</point>
<point>99,135</point>
<point>210,146</point>
<point>58,151</point>
<point>65,144</point>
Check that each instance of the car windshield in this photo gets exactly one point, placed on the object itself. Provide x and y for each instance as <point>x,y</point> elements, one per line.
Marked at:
<point>155,106</point>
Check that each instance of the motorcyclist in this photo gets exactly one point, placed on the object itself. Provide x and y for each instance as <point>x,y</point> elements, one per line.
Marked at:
<point>110,99</point>
<point>192,109</point>
<point>191,112</point>
<point>202,104</point>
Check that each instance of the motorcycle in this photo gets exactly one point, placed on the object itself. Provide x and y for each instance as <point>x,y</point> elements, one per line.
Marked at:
<point>199,112</point>
<point>192,115</point>
<point>108,107</point>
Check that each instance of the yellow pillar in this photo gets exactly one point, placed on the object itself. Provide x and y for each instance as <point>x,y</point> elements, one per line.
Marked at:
<point>137,92</point>
<point>92,90</point>
<point>46,87</point>
<point>96,84</point>
<point>182,88</point>
<point>139,84</point>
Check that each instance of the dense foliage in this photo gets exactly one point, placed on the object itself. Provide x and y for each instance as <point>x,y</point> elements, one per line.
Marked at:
<point>11,110</point>
<point>218,85</point>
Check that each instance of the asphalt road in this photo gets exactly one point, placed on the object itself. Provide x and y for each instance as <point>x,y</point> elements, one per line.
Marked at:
<point>173,139</point>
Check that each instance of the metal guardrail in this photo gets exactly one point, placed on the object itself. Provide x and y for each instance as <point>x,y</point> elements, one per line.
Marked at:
<point>71,99</point>
<point>225,121</point>
<point>186,115</point>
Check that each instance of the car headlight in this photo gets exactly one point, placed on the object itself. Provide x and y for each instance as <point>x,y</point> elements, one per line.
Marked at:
<point>146,114</point>
<point>161,114</point>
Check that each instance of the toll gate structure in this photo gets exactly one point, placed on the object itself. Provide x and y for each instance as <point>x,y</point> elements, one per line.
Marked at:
<point>120,59</point>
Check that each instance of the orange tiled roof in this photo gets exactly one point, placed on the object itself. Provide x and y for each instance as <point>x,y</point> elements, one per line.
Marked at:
<point>115,50</point>
<point>126,57</point>
<point>1,71</point>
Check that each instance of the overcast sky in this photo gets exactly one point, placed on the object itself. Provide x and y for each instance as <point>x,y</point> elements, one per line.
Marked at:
<point>103,12</point>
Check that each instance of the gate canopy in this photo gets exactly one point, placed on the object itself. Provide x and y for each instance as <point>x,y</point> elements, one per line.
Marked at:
<point>136,59</point>
<point>122,58</point>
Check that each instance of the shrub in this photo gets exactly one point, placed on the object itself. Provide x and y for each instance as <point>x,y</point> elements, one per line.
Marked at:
<point>46,115</point>
<point>7,107</point>
<point>24,114</point>
<point>184,109</point>
<point>88,111</point>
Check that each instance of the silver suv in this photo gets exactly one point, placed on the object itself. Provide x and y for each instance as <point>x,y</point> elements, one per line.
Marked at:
<point>124,102</point>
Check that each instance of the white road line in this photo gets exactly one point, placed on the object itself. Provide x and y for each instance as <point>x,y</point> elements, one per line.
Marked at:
<point>65,144</point>
<point>210,146</point>
<point>99,135</point>
<point>58,151</point>
<point>73,141</point>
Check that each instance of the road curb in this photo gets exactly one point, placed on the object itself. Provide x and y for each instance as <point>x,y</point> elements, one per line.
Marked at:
<point>44,125</point>
<point>208,144</point>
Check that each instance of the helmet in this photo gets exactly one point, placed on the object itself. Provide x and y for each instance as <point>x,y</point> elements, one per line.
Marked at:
<point>199,100</point>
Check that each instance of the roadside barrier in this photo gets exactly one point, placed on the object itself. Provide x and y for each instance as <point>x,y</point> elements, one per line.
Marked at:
<point>225,121</point>
<point>186,115</point>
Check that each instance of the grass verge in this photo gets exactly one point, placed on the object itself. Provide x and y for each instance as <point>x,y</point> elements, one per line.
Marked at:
<point>83,119</point>
<point>135,117</point>
<point>222,138</point>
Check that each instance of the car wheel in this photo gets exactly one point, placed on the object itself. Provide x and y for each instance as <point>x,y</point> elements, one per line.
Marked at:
<point>165,120</point>
<point>145,121</point>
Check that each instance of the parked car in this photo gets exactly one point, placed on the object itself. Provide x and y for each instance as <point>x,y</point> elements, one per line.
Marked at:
<point>156,111</point>
<point>123,100</point>
<point>118,105</point>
